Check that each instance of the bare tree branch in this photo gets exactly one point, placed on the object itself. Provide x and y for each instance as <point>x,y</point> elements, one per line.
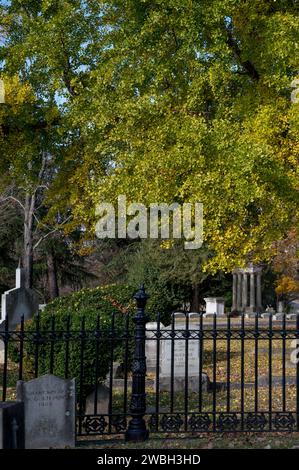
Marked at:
<point>12,198</point>
<point>56,229</point>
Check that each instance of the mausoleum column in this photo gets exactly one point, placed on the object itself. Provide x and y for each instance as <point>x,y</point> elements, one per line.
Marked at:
<point>258,291</point>
<point>234,306</point>
<point>252,292</point>
<point>239,292</point>
<point>244,291</point>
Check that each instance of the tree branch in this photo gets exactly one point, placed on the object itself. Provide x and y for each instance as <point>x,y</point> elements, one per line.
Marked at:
<point>50,233</point>
<point>39,126</point>
<point>12,198</point>
<point>247,65</point>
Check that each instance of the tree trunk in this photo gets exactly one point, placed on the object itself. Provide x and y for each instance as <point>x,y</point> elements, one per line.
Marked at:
<point>195,299</point>
<point>52,276</point>
<point>28,240</point>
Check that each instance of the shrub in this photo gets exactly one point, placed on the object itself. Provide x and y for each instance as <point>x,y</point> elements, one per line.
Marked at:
<point>106,302</point>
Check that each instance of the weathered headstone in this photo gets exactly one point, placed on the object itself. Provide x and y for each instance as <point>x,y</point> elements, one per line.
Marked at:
<point>18,301</point>
<point>252,315</point>
<point>176,350</point>
<point>101,397</point>
<point>179,355</point>
<point>292,316</point>
<point>267,315</point>
<point>279,316</point>
<point>50,404</point>
<point>151,345</point>
<point>194,320</point>
<point>12,425</point>
<point>294,306</point>
<point>179,318</point>
<point>269,312</point>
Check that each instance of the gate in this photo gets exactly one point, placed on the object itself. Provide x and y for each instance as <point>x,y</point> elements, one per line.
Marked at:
<point>201,375</point>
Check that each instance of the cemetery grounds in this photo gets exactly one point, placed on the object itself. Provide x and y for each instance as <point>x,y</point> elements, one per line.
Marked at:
<point>258,371</point>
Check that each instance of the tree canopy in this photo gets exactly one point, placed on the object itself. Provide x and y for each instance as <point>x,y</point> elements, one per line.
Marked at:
<point>178,101</point>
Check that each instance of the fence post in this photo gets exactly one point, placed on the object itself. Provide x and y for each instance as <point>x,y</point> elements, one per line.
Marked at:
<point>137,428</point>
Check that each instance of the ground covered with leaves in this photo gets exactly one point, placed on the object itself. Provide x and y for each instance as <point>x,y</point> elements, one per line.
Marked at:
<point>222,441</point>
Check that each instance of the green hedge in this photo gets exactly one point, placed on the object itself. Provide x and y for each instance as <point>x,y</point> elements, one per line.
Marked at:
<point>103,301</point>
<point>88,304</point>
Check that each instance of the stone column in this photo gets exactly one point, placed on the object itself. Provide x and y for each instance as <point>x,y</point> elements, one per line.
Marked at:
<point>252,292</point>
<point>259,292</point>
<point>234,306</point>
<point>244,291</point>
<point>239,292</point>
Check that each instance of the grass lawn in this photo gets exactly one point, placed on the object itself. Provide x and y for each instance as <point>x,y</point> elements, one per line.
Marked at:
<point>228,441</point>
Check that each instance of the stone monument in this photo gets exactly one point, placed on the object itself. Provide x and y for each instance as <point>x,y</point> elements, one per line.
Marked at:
<point>176,349</point>
<point>50,412</point>
<point>247,290</point>
<point>98,401</point>
<point>18,301</point>
<point>151,345</point>
<point>214,305</point>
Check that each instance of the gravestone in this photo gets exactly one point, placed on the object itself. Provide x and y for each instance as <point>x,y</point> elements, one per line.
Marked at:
<point>292,316</point>
<point>12,425</point>
<point>50,405</point>
<point>176,350</point>
<point>267,314</point>
<point>18,301</point>
<point>102,401</point>
<point>293,309</point>
<point>194,320</point>
<point>279,316</point>
<point>252,314</point>
<point>280,308</point>
<point>151,345</point>
<point>214,305</point>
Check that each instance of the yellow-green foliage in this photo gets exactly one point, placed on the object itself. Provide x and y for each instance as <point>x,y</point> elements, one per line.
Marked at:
<point>184,100</point>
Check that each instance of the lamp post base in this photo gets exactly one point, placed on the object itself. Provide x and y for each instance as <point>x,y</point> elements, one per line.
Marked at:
<point>136,432</point>
<point>136,436</point>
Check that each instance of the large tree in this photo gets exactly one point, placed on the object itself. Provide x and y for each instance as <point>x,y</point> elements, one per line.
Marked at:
<point>41,51</point>
<point>193,99</point>
<point>184,100</point>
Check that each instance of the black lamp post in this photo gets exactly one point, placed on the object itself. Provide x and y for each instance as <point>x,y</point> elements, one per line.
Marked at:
<point>137,428</point>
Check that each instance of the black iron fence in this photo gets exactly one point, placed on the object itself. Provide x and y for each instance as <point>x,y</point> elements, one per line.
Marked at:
<point>195,375</point>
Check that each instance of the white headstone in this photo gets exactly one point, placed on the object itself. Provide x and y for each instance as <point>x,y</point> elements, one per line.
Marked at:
<point>215,305</point>
<point>178,350</point>
<point>177,347</point>
<point>194,320</point>
<point>267,315</point>
<point>179,357</point>
<point>294,306</point>
<point>151,345</point>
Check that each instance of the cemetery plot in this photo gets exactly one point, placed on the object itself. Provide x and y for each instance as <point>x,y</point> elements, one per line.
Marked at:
<point>235,379</point>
